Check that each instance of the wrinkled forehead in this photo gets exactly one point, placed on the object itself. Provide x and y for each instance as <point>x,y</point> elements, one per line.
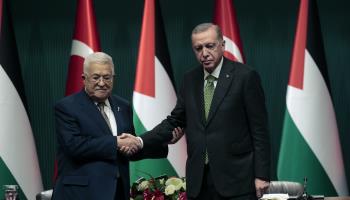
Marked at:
<point>207,36</point>
<point>98,68</point>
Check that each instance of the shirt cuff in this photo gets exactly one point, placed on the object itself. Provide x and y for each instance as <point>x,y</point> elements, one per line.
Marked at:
<point>141,141</point>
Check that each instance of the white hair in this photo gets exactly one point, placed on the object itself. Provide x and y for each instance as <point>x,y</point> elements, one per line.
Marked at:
<point>99,58</point>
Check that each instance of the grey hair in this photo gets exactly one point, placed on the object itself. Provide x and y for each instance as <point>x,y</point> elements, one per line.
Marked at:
<point>99,58</point>
<point>205,26</point>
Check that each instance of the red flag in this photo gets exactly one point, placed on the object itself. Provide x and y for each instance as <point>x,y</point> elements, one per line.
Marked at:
<point>225,17</point>
<point>85,41</point>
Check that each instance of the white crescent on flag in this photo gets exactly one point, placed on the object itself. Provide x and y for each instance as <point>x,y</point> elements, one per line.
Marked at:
<point>81,49</point>
<point>233,49</point>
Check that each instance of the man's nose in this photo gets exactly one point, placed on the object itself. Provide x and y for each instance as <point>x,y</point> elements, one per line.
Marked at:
<point>205,52</point>
<point>101,82</point>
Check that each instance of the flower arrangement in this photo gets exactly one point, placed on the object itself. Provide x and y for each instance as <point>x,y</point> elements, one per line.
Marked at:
<point>159,188</point>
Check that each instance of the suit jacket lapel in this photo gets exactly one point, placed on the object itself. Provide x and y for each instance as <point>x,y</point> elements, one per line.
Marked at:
<point>223,84</point>
<point>91,110</point>
<point>199,93</point>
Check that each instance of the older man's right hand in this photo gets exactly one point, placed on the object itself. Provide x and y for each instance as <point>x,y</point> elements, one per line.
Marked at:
<point>128,144</point>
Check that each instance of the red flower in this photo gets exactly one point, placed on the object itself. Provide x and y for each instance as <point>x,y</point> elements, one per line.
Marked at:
<point>182,196</point>
<point>156,195</point>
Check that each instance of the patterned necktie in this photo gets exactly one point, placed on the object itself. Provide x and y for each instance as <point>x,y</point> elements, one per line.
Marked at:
<point>102,111</point>
<point>208,97</point>
<point>101,106</point>
<point>208,94</point>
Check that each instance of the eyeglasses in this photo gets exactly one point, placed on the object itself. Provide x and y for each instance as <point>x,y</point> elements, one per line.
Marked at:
<point>209,46</point>
<point>97,78</point>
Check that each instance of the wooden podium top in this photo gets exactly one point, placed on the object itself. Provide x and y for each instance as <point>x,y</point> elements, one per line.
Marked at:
<point>337,198</point>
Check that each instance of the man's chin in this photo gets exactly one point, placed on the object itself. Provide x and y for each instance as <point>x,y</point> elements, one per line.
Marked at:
<point>209,68</point>
<point>101,96</point>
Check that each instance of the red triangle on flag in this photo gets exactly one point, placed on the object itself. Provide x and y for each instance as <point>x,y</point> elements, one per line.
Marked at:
<point>296,77</point>
<point>145,74</point>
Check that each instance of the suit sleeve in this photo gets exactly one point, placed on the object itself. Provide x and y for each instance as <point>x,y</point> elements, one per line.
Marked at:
<point>82,146</point>
<point>258,124</point>
<point>152,150</point>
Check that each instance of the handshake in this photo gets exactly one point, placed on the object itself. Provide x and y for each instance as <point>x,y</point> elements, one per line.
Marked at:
<point>129,144</point>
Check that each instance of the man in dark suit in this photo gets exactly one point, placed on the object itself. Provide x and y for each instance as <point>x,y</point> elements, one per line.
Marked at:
<point>92,160</point>
<point>222,107</point>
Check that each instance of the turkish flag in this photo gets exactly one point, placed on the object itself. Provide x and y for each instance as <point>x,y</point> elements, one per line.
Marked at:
<point>225,18</point>
<point>85,41</point>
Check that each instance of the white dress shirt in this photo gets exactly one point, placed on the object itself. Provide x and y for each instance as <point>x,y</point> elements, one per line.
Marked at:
<point>215,73</point>
<point>112,121</point>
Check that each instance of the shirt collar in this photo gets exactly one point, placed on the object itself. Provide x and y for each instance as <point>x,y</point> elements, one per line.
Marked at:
<point>106,103</point>
<point>216,71</point>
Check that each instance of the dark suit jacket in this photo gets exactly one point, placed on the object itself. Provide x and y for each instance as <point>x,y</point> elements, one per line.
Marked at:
<point>235,134</point>
<point>87,154</point>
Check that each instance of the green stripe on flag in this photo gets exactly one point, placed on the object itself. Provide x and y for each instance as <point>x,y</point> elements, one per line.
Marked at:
<point>6,178</point>
<point>296,161</point>
<point>154,167</point>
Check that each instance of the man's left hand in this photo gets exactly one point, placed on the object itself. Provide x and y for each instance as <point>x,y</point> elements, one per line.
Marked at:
<point>261,187</point>
<point>178,132</point>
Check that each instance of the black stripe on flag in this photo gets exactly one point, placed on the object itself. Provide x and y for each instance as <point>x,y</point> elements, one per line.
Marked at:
<point>314,42</point>
<point>162,51</point>
<point>9,59</point>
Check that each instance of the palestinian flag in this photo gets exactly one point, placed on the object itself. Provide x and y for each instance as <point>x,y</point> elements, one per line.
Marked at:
<point>18,158</point>
<point>310,143</point>
<point>154,94</point>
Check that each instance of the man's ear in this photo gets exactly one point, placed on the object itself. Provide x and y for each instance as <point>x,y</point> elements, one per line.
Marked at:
<point>83,76</point>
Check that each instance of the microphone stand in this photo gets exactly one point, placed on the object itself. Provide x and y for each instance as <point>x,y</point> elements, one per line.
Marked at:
<point>305,195</point>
